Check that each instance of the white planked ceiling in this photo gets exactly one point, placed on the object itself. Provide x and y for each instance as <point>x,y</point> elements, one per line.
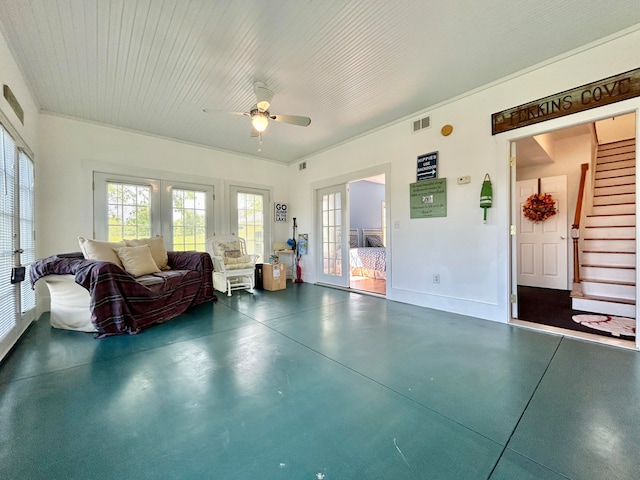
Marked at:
<point>352,66</point>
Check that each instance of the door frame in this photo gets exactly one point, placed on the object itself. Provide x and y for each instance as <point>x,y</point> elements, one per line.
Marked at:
<point>510,138</point>
<point>311,270</point>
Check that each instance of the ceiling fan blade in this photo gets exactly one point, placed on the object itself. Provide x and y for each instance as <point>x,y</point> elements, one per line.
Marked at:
<point>263,96</point>
<point>213,110</point>
<point>292,119</point>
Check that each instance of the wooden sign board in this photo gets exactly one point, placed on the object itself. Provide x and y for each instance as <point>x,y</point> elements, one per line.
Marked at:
<point>428,198</point>
<point>603,92</point>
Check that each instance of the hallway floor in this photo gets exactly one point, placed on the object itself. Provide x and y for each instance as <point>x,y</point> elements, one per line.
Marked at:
<point>316,383</point>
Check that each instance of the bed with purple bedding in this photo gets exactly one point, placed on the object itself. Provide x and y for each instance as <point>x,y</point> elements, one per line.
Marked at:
<point>120,303</point>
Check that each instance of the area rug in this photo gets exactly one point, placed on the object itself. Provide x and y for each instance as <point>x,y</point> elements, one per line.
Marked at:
<point>616,326</point>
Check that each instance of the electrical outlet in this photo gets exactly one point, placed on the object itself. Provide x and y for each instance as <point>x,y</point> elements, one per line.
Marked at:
<point>436,278</point>
<point>396,224</point>
<point>464,179</point>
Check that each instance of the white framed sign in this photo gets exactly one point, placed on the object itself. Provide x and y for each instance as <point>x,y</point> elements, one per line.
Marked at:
<point>280,212</point>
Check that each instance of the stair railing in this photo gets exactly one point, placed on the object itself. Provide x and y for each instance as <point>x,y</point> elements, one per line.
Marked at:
<point>575,233</point>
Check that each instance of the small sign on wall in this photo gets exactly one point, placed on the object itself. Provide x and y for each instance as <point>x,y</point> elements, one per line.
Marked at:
<point>428,199</point>
<point>280,212</point>
<point>427,167</point>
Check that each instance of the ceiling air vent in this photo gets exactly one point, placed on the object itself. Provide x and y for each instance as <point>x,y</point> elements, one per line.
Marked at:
<point>421,124</point>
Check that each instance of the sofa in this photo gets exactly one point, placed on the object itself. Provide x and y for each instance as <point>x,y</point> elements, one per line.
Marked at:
<point>106,298</point>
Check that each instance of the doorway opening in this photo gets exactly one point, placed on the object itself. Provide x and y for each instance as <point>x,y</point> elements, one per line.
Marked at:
<point>576,269</point>
<point>368,235</point>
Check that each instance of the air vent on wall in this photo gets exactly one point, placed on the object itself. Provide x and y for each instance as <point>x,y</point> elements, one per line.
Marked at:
<point>421,124</point>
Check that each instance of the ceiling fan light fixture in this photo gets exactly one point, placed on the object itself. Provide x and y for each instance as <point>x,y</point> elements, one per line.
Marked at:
<point>259,122</point>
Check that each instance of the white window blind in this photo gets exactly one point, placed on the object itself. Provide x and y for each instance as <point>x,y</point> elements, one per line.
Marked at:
<point>27,228</point>
<point>8,300</point>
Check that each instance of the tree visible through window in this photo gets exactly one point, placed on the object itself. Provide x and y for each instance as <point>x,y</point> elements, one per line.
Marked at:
<point>129,211</point>
<point>189,220</point>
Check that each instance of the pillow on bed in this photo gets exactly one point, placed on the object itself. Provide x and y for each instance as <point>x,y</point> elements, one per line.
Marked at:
<point>102,251</point>
<point>137,260</point>
<point>158,250</point>
<point>373,241</point>
<point>353,241</point>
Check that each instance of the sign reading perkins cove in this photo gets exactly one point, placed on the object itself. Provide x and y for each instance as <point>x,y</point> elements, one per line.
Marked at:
<point>427,166</point>
<point>596,94</point>
<point>428,198</point>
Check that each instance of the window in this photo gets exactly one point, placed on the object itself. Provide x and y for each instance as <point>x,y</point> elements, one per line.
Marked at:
<point>189,220</point>
<point>17,239</point>
<point>129,207</point>
<point>250,218</point>
<point>129,211</point>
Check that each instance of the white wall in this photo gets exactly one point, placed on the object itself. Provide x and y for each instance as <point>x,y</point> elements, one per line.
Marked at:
<point>472,258</point>
<point>72,150</point>
<point>11,75</point>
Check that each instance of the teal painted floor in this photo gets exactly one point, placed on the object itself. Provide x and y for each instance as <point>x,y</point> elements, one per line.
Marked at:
<point>316,383</point>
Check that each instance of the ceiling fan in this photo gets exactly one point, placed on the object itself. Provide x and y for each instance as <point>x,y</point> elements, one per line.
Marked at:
<point>260,114</point>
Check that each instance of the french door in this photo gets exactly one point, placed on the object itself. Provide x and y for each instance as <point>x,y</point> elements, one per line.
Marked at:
<point>132,207</point>
<point>17,241</point>
<point>333,252</point>
<point>250,218</point>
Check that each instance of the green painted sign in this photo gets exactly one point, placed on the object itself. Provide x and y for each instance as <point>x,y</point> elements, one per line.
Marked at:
<point>428,198</point>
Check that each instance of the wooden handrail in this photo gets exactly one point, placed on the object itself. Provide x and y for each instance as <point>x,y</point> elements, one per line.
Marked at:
<point>575,230</point>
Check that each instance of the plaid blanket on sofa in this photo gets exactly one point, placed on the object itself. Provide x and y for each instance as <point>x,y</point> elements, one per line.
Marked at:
<point>121,303</point>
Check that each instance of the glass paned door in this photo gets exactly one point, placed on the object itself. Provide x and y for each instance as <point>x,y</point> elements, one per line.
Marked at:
<point>250,218</point>
<point>189,219</point>
<point>333,251</point>
<point>17,240</point>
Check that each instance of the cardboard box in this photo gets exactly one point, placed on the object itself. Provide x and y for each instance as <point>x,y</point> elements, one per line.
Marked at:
<point>274,276</point>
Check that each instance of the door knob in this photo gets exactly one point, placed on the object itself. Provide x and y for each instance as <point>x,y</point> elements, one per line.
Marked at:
<point>562,237</point>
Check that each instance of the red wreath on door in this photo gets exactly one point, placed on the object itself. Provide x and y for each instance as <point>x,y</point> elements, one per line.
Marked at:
<point>539,207</point>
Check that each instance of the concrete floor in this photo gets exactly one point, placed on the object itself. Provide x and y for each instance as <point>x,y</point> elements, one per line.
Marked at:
<point>316,383</point>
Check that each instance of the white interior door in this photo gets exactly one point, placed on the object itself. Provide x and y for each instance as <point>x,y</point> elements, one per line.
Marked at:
<point>542,246</point>
<point>332,251</point>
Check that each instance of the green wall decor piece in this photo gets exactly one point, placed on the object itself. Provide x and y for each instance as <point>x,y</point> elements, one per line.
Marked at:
<point>428,198</point>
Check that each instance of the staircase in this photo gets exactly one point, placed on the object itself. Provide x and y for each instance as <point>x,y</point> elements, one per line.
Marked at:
<point>608,262</point>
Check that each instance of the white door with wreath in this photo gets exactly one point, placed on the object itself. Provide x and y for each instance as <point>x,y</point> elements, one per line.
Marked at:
<point>543,244</point>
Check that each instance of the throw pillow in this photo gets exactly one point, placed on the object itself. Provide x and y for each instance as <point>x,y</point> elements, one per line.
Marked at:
<point>97,250</point>
<point>137,260</point>
<point>158,250</point>
<point>374,241</point>
<point>233,254</point>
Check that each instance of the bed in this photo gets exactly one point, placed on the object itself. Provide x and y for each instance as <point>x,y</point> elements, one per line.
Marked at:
<point>367,254</point>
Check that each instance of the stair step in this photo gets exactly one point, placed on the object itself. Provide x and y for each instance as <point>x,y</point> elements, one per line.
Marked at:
<point>616,199</point>
<point>611,220</point>
<point>619,161</point>
<point>618,172</point>
<point>606,306</point>
<point>607,182</point>
<point>612,259</point>
<point>613,231</point>
<point>614,209</point>
<point>599,191</point>
<point>608,273</point>
<point>627,245</point>
<point>621,292</point>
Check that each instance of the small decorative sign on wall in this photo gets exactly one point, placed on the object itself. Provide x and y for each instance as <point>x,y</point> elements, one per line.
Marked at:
<point>427,167</point>
<point>428,198</point>
<point>280,212</point>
